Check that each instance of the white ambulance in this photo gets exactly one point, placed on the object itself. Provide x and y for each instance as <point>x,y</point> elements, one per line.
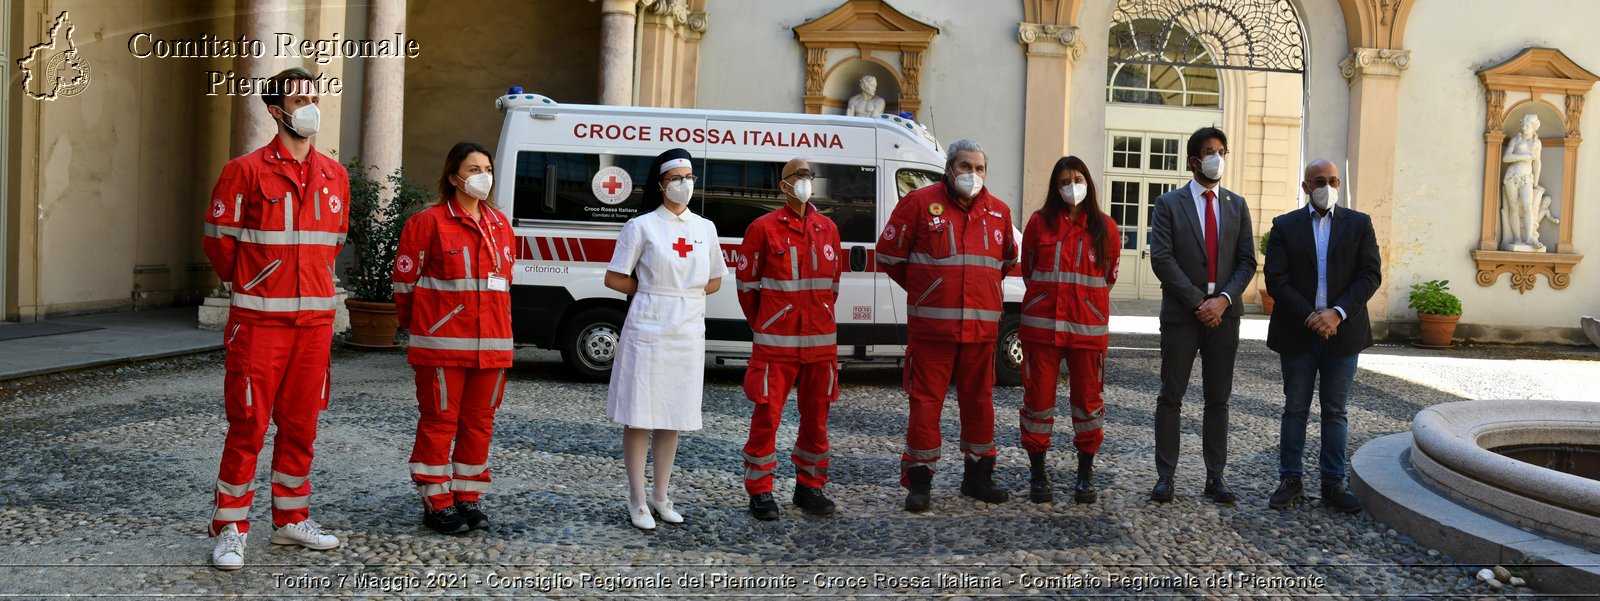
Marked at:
<point>569,176</point>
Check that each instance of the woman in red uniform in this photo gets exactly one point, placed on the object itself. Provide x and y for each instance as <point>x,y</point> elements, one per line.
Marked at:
<point>452,292</point>
<point>1070,252</point>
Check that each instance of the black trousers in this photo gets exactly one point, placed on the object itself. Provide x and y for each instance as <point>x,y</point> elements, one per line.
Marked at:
<point>1217,348</point>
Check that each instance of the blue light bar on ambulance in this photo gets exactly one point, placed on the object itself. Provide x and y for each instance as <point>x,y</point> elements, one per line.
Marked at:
<point>914,127</point>
<point>515,97</point>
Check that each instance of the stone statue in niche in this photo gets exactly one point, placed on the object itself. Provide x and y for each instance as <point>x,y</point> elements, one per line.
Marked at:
<point>1520,201</point>
<point>866,104</point>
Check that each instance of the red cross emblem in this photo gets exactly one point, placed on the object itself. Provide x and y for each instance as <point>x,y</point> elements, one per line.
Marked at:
<point>683,248</point>
<point>612,185</point>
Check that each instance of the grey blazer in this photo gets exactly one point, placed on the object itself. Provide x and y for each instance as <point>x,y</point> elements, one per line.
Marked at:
<point>1178,252</point>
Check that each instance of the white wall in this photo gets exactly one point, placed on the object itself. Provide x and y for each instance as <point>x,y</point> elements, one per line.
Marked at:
<point>972,76</point>
<point>1438,175</point>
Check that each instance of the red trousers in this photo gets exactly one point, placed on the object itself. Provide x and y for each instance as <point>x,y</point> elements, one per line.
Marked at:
<point>767,384</point>
<point>275,375</point>
<point>929,370</point>
<point>456,404</point>
<point>1041,370</point>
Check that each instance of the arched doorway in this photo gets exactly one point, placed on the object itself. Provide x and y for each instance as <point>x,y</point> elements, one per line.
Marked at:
<point>1176,66</point>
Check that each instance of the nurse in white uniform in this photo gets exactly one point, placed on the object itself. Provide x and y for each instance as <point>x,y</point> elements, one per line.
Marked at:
<point>668,259</point>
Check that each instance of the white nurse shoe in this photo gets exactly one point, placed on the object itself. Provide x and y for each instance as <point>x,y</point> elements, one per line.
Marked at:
<point>665,510</point>
<point>640,516</point>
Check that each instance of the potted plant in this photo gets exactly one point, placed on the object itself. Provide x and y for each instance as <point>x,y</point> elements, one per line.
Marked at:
<point>375,228</point>
<point>1438,310</point>
<point>1266,299</point>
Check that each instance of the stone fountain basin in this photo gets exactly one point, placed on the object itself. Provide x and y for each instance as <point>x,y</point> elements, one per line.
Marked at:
<point>1451,446</point>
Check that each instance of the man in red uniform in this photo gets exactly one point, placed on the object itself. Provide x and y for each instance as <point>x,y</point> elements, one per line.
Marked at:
<point>276,220</point>
<point>948,245</point>
<point>788,276</point>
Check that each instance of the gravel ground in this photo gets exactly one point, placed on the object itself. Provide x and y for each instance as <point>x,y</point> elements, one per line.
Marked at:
<point>109,476</point>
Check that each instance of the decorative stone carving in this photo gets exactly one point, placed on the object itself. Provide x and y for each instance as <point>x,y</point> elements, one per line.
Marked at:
<point>1525,268</point>
<point>1521,192</point>
<point>911,72</point>
<point>867,103</point>
<point>1574,115</point>
<point>868,29</point>
<point>1497,111</point>
<point>816,60</point>
<point>1043,38</point>
<point>1381,62</point>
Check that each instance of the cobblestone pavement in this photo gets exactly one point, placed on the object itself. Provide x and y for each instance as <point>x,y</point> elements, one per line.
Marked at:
<point>108,476</point>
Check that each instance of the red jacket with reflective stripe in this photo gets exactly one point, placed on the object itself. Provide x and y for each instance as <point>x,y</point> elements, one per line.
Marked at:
<point>1068,302</point>
<point>443,276</point>
<point>788,275</point>
<point>273,228</point>
<point>950,261</point>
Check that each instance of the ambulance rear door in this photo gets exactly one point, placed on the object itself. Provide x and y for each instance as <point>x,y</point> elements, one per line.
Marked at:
<point>889,312</point>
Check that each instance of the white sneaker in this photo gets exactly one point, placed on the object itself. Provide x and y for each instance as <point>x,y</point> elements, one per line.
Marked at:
<point>308,534</point>
<point>664,509</point>
<point>229,552</point>
<point>640,516</point>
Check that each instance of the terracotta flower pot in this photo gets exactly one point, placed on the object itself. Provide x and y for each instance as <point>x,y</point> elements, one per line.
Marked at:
<point>1266,300</point>
<point>372,325</point>
<point>1438,330</point>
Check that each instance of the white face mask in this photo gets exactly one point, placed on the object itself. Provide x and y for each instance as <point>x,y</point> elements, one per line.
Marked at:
<point>305,121</point>
<point>801,190</point>
<point>1073,193</point>
<point>680,191</point>
<point>968,184</point>
<point>478,185</point>
<point>1324,197</point>
<point>1211,167</point>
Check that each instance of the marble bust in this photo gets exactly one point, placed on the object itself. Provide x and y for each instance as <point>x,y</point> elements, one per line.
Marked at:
<point>1520,207</point>
<point>866,104</point>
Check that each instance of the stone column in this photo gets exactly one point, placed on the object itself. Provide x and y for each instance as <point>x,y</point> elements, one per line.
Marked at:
<point>383,93</point>
<point>257,20</point>
<point>1052,51</point>
<point>1374,75</point>
<point>617,22</point>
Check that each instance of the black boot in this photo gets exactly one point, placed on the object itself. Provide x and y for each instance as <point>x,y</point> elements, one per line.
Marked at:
<point>472,515</point>
<point>444,521</point>
<point>921,494</point>
<point>764,507</point>
<point>1084,491</point>
<point>977,481</point>
<point>1290,491</point>
<point>812,501</point>
<point>1038,482</point>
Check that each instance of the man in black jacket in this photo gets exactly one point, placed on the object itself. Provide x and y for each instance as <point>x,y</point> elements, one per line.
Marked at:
<point>1322,267</point>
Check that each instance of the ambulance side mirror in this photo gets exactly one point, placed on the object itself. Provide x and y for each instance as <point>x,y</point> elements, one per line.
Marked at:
<point>550,188</point>
<point>858,258</point>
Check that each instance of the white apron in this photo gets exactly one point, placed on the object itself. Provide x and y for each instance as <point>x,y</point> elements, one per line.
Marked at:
<point>659,372</point>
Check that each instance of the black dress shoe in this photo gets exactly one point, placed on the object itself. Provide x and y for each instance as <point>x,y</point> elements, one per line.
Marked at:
<point>1338,498</point>
<point>444,521</point>
<point>472,515</point>
<point>764,507</point>
<point>1162,492</point>
<point>1218,490</point>
<point>812,501</point>
<point>1290,491</point>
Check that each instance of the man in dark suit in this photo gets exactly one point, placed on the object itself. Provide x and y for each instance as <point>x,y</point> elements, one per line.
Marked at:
<point>1322,267</point>
<point>1202,250</point>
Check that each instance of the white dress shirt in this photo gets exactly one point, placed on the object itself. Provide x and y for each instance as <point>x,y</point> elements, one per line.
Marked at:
<point>1198,191</point>
<point>1322,229</point>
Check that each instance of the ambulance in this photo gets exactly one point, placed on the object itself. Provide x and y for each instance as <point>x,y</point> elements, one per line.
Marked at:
<point>569,177</point>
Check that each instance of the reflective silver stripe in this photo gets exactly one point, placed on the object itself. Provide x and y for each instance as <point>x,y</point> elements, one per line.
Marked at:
<point>499,388</point>
<point>923,455</point>
<point>1079,413</point>
<point>888,260</point>
<point>813,256</point>
<point>810,457</point>
<point>794,263</point>
<point>235,333</point>
<point>404,288</point>
<point>763,460</point>
<point>316,204</point>
<point>248,391</point>
<point>442,320</point>
<point>833,376</point>
<point>217,231</point>
<point>444,392</point>
<point>288,211</point>
<point>265,271</point>
<point>985,240</point>
<point>904,464</point>
<point>976,449</point>
<point>462,344</point>
<point>1045,323</point>
<point>943,313</point>
<point>1093,310</point>
<point>429,490</point>
<point>230,514</point>
<point>469,469</point>
<point>1068,277</point>
<point>234,490</point>
<point>284,305</point>
<point>466,257</point>
<point>470,485</point>
<point>795,341</point>
<point>755,474</point>
<point>952,232</point>
<point>238,207</point>
<point>1037,427</point>
<point>814,470</point>
<point>749,286</point>
<point>929,290</point>
<point>1036,299</point>
<point>1090,425</point>
<point>967,260</point>
<point>287,480</point>
<point>1057,262</point>
<point>775,316</point>
<point>460,285</point>
<point>1077,260</point>
<point>796,285</point>
<point>1045,414</point>
<point>290,502</point>
<point>423,469</point>
<point>766,377</point>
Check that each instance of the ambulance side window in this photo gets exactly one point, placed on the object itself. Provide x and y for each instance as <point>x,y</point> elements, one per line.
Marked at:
<point>736,193</point>
<point>577,186</point>
<point>906,180</point>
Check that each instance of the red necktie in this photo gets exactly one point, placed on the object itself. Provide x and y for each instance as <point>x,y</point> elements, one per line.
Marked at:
<point>1211,234</point>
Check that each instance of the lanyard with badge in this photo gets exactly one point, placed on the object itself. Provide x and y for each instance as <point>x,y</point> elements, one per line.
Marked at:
<point>497,282</point>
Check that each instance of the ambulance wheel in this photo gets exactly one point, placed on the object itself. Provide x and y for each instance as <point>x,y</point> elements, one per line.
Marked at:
<point>589,342</point>
<point>1008,352</point>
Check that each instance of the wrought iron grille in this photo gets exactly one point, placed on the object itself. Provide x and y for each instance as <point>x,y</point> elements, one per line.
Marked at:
<point>1256,35</point>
